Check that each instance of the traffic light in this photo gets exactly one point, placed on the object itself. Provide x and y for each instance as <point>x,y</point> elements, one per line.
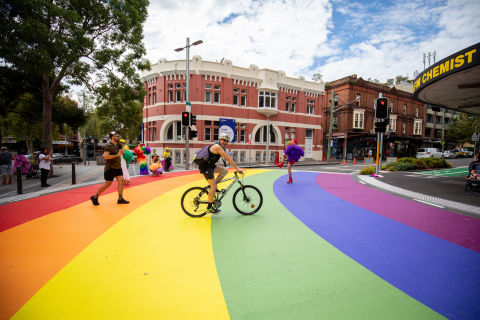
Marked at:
<point>381,108</point>
<point>380,126</point>
<point>186,118</point>
<point>192,134</point>
<point>193,120</point>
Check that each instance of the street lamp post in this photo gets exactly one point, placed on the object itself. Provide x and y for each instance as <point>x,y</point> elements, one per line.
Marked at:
<point>188,107</point>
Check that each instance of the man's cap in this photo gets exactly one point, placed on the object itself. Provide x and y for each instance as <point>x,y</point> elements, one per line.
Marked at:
<point>4,148</point>
<point>111,134</point>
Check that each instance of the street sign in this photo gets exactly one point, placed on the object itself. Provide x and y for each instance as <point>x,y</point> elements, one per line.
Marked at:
<point>188,103</point>
<point>475,137</point>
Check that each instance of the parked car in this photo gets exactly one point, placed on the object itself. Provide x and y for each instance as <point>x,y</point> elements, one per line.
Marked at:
<point>69,158</point>
<point>429,153</point>
<point>467,152</point>
<point>449,154</point>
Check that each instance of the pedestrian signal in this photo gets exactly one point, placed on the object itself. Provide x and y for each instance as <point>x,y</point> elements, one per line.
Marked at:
<point>192,134</point>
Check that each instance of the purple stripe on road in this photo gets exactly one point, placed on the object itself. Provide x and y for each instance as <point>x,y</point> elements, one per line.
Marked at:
<point>440,274</point>
<point>453,227</point>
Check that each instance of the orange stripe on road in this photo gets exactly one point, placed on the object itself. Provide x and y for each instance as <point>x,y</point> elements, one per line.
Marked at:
<point>32,253</point>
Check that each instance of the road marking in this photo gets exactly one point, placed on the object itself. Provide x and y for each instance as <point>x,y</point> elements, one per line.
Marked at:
<point>430,204</point>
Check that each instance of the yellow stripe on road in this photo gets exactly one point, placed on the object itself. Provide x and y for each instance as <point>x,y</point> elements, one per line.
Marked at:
<point>156,263</point>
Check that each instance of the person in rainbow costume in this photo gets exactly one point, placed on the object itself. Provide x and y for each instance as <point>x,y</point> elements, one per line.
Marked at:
<point>126,158</point>
<point>293,153</point>
<point>142,151</point>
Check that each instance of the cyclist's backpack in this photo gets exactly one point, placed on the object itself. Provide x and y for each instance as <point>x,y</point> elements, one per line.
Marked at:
<point>201,155</point>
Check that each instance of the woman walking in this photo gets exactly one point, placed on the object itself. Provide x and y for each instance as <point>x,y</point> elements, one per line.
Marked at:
<point>293,153</point>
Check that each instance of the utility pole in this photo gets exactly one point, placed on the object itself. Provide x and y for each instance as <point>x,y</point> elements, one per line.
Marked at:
<point>188,105</point>
<point>329,151</point>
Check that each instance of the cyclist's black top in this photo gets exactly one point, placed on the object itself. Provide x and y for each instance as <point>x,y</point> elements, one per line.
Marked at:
<point>213,157</point>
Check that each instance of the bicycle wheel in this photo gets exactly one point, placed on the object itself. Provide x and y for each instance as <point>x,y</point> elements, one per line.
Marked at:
<point>194,202</point>
<point>247,200</point>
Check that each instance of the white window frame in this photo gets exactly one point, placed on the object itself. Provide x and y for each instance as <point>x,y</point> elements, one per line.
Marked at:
<point>358,119</point>
<point>417,127</point>
<point>267,96</point>
<point>392,124</point>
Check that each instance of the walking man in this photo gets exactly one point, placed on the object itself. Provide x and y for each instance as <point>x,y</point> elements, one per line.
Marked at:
<point>113,169</point>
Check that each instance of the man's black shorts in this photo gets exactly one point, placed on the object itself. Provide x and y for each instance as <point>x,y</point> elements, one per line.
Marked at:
<point>206,168</point>
<point>110,174</point>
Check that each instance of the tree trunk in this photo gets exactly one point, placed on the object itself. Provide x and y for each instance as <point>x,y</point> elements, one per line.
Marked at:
<point>47,95</point>
<point>47,112</point>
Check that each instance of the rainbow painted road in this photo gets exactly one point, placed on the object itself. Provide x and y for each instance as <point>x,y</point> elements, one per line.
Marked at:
<point>325,247</point>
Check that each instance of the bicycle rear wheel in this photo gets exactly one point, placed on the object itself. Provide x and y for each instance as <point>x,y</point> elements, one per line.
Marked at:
<point>194,202</point>
<point>247,200</point>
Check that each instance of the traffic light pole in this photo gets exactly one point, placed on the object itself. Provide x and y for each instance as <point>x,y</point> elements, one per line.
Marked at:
<point>330,128</point>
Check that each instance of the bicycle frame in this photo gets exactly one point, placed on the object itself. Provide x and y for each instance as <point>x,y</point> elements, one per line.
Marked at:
<point>225,190</point>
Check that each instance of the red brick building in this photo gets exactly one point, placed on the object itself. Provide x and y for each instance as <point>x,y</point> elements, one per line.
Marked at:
<point>355,122</point>
<point>255,98</point>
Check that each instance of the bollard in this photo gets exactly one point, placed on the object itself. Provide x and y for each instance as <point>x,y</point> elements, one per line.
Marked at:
<point>74,178</point>
<point>19,181</point>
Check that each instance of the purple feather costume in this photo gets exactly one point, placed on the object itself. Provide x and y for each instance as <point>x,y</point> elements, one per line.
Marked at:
<point>294,153</point>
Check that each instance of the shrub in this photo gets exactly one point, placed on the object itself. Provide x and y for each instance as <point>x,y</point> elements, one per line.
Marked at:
<point>412,163</point>
<point>368,170</point>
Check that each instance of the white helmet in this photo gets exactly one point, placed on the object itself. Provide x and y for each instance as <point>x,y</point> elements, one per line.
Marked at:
<point>224,136</point>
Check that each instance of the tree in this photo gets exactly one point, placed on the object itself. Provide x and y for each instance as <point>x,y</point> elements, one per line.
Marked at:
<point>77,42</point>
<point>317,77</point>
<point>462,129</point>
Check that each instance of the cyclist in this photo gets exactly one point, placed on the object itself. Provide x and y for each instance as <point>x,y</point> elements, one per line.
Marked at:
<point>206,160</point>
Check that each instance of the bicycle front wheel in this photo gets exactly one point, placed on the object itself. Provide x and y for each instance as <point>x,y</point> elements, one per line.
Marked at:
<point>247,200</point>
<point>194,202</point>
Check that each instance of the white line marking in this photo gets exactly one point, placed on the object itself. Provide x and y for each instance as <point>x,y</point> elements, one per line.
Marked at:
<point>430,204</point>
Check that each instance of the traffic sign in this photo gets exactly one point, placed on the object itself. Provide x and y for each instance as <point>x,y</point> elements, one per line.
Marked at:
<point>475,137</point>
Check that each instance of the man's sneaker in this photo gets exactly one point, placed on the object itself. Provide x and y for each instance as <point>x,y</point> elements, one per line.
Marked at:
<point>213,210</point>
<point>94,201</point>
<point>122,201</point>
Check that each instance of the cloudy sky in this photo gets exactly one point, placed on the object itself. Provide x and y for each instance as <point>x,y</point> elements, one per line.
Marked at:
<point>336,38</point>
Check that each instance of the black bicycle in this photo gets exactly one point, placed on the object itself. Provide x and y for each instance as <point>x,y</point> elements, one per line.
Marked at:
<point>247,199</point>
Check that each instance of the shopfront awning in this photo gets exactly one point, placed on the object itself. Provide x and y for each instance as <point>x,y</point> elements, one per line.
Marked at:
<point>453,82</point>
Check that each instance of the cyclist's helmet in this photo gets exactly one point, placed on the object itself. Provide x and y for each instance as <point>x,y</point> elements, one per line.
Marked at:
<point>224,136</point>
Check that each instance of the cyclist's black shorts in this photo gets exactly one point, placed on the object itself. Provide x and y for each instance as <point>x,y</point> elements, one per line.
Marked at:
<point>206,168</point>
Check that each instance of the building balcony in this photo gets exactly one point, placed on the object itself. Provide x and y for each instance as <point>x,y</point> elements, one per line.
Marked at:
<point>267,112</point>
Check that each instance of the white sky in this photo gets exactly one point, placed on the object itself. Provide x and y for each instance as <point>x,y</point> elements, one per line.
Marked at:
<point>373,39</point>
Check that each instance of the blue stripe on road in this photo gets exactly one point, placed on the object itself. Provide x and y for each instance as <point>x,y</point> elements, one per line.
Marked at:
<point>439,274</point>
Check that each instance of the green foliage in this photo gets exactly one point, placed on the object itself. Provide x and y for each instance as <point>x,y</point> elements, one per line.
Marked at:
<point>368,170</point>
<point>462,129</point>
<point>74,42</point>
<point>404,164</point>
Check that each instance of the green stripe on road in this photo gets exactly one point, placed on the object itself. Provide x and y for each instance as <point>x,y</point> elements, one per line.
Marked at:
<point>271,266</point>
<point>453,172</point>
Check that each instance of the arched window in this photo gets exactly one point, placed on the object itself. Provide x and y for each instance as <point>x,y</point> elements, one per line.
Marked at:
<point>174,131</point>
<point>261,135</point>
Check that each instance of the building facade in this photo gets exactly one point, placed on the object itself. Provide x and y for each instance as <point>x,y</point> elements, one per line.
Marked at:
<point>437,124</point>
<point>353,125</point>
<point>268,107</point>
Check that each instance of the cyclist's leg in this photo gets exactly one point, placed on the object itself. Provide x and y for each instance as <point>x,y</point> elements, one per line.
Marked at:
<point>213,188</point>
<point>222,172</point>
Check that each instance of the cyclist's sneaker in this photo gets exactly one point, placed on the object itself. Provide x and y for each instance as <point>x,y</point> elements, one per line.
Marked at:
<point>94,200</point>
<point>212,210</point>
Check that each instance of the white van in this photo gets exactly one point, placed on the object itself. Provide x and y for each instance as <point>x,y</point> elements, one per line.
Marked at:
<point>429,153</point>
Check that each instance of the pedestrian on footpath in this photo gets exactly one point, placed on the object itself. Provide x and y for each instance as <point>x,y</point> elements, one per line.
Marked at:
<point>168,159</point>
<point>6,159</point>
<point>44,164</point>
<point>293,153</point>
<point>113,169</point>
